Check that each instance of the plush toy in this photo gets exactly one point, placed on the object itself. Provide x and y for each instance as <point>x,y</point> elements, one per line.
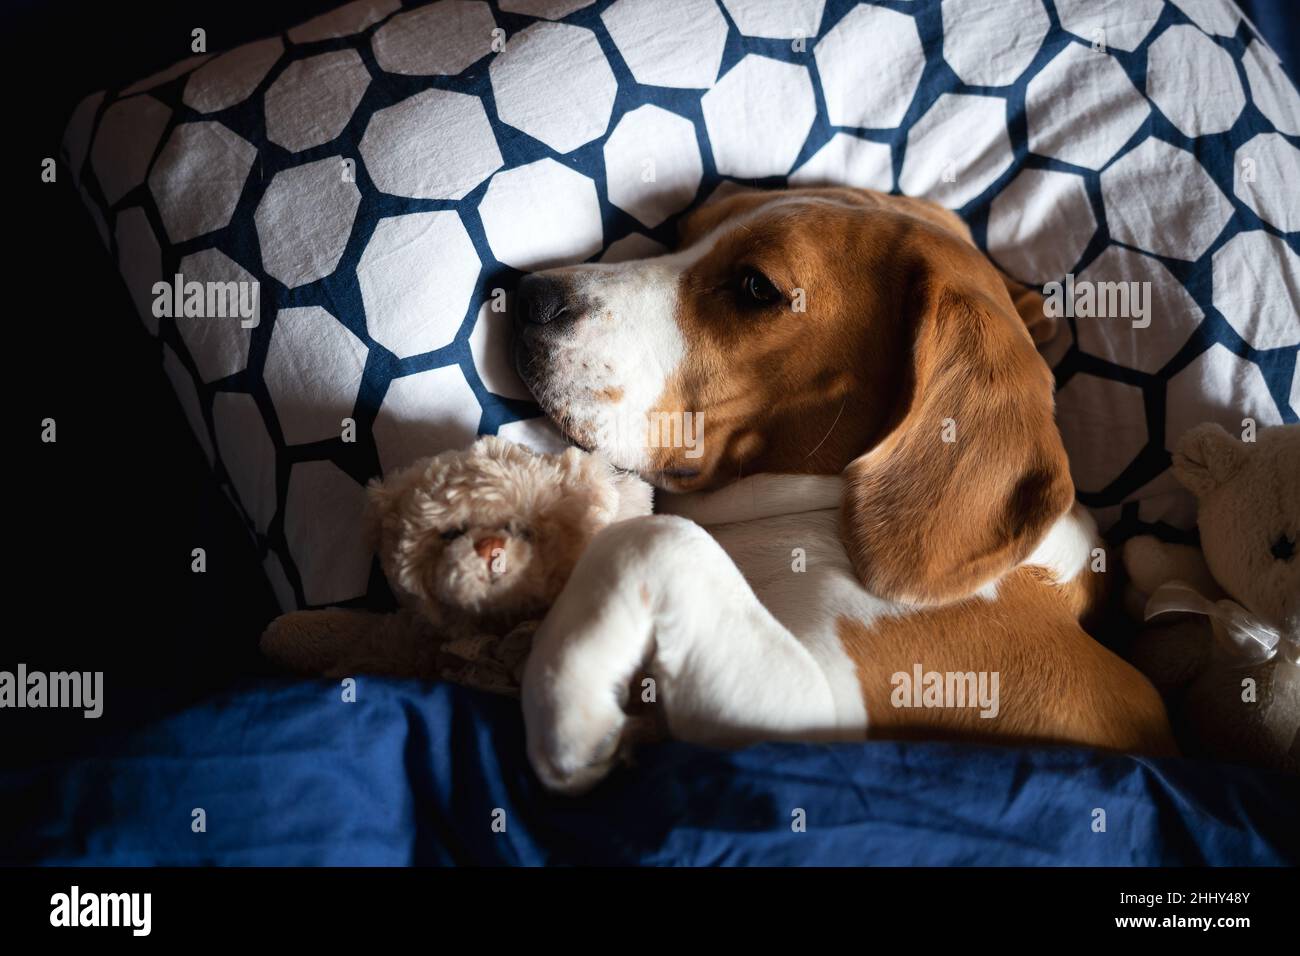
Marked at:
<point>1229,663</point>
<point>475,544</point>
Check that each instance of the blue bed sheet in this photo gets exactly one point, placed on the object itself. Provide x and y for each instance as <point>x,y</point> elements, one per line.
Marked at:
<point>287,773</point>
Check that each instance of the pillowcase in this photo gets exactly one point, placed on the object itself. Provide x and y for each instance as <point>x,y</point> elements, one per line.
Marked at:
<point>318,228</point>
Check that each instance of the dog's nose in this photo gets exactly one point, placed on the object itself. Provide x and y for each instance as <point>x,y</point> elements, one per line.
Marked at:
<point>542,299</point>
<point>485,547</point>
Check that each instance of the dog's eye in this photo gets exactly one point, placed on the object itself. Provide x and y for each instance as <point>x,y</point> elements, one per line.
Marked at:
<point>520,531</point>
<point>1283,548</point>
<point>758,287</point>
<point>451,534</point>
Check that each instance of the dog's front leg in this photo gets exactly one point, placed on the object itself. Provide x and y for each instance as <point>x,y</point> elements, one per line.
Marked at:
<point>658,596</point>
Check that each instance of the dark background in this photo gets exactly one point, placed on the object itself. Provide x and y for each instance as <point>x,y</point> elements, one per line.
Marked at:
<point>105,519</point>
<point>108,515</point>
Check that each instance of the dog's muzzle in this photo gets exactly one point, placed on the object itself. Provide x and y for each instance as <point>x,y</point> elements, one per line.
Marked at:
<point>542,299</point>
<point>545,308</point>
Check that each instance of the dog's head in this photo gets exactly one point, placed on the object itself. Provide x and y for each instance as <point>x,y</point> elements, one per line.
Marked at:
<point>818,331</point>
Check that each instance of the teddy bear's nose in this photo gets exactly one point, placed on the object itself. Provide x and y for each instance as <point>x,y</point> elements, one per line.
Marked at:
<point>485,547</point>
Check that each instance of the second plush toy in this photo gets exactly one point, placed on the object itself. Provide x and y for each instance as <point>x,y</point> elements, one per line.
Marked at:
<point>1230,667</point>
<point>476,545</point>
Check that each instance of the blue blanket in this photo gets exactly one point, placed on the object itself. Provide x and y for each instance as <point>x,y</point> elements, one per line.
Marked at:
<point>287,773</point>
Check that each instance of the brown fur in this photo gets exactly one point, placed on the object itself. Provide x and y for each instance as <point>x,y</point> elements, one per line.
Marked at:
<point>1057,684</point>
<point>907,325</point>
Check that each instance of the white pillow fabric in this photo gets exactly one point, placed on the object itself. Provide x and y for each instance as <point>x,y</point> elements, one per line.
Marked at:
<point>363,186</point>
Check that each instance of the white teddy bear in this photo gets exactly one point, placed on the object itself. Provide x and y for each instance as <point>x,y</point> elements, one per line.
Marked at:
<point>1231,671</point>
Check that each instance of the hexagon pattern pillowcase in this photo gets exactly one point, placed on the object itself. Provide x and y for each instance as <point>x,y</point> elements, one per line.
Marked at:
<point>315,227</point>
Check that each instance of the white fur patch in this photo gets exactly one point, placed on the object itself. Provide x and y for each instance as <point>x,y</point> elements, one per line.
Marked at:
<point>783,533</point>
<point>611,369</point>
<point>1067,546</point>
<point>755,497</point>
<point>657,596</point>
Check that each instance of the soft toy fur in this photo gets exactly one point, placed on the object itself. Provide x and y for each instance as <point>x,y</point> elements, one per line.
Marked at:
<point>475,544</point>
<point>1248,501</point>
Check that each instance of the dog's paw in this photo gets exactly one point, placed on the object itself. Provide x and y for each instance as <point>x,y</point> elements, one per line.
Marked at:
<point>574,731</point>
<point>576,747</point>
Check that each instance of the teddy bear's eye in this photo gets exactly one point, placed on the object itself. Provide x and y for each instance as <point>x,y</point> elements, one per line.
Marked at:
<point>1283,548</point>
<point>520,531</point>
<point>451,534</point>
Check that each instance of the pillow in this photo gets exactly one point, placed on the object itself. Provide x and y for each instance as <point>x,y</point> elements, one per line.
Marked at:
<point>318,228</point>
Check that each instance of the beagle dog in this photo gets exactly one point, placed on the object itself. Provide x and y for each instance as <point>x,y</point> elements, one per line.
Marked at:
<point>872,521</point>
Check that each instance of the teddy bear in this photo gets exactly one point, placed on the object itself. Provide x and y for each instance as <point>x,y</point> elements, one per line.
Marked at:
<point>1228,661</point>
<point>476,545</point>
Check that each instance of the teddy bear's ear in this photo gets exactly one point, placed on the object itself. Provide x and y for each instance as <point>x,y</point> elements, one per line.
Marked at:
<point>495,448</point>
<point>574,461</point>
<point>380,501</point>
<point>635,496</point>
<point>488,446</point>
<point>384,496</point>
<point>1207,457</point>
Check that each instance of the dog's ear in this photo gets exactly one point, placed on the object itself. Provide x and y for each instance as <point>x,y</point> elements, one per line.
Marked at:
<point>704,219</point>
<point>973,472</point>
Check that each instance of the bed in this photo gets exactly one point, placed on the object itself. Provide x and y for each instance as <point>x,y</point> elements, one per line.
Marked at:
<point>1079,148</point>
<point>288,774</point>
